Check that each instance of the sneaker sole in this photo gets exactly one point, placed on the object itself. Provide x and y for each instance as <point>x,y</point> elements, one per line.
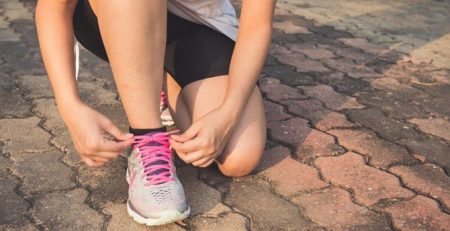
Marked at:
<point>165,217</point>
<point>168,122</point>
<point>166,118</point>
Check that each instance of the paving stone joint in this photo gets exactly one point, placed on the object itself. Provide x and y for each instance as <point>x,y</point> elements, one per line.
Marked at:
<point>357,114</point>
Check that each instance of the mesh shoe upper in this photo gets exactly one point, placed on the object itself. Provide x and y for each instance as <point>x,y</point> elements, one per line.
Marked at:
<point>153,184</point>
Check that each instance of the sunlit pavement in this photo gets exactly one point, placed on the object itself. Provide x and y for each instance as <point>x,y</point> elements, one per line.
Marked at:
<point>357,103</point>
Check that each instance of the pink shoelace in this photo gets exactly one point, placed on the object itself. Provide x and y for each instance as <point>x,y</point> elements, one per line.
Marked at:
<point>156,157</point>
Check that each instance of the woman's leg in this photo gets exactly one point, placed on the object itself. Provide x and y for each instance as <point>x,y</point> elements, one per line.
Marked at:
<point>177,106</point>
<point>244,149</point>
<point>134,35</point>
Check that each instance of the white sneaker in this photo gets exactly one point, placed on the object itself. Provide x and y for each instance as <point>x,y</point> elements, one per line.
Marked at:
<point>166,117</point>
<point>155,195</point>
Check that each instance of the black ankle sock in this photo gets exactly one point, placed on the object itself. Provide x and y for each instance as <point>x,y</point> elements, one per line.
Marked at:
<point>142,131</point>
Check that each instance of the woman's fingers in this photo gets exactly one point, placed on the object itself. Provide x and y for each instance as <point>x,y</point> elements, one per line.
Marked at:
<point>207,163</point>
<point>92,163</point>
<point>187,147</point>
<point>204,162</point>
<point>114,146</point>
<point>100,159</point>
<point>107,151</point>
<point>187,135</point>
<point>192,157</point>
<point>179,153</point>
<point>113,130</point>
<point>107,155</point>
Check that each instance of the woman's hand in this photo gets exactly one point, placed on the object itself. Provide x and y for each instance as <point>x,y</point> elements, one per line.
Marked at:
<point>96,138</point>
<point>204,141</point>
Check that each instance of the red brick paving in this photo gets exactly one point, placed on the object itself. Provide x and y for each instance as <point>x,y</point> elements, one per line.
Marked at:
<point>369,184</point>
<point>314,111</point>
<point>318,144</point>
<point>290,28</point>
<point>275,112</point>
<point>309,143</point>
<point>326,93</point>
<point>305,108</point>
<point>272,157</point>
<point>288,175</point>
<point>428,179</point>
<point>353,70</point>
<point>334,209</point>
<point>381,153</point>
<point>292,131</point>
<point>330,98</point>
<point>420,213</point>
<point>277,91</point>
<point>363,44</point>
<point>299,61</point>
<point>315,53</point>
<point>333,120</point>
<point>436,126</point>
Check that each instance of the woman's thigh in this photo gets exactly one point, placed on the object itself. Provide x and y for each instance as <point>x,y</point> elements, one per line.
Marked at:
<point>245,146</point>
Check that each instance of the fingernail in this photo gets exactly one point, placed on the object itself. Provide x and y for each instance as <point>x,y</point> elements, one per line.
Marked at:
<point>129,135</point>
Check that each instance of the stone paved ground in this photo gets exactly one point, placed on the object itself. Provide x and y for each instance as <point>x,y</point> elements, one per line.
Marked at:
<point>358,129</point>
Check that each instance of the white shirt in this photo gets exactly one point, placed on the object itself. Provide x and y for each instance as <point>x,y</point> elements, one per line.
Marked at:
<point>217,14</point>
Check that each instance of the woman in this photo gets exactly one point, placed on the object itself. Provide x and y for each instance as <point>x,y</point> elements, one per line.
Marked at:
<point>194,51</point>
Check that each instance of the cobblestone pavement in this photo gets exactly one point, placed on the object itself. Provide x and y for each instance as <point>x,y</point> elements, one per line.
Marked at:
<point>358,130</point>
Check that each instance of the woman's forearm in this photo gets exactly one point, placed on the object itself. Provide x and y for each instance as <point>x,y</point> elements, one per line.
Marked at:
<point>55,34</point>
<point>246,65</point>
<point>249,53</point>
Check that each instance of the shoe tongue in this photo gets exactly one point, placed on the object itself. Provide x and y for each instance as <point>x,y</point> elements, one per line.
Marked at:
<point>157,162</point>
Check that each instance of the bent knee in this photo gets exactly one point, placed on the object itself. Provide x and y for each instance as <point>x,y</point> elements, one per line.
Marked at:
<point>239,165</point>
<point>235,171</point>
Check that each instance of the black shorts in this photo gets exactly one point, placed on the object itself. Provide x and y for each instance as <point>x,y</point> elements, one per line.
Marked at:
<point>193,51</point>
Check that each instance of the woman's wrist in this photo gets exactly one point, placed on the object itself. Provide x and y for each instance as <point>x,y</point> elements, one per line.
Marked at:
<point>67,105</point>
<point>233,109</point>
